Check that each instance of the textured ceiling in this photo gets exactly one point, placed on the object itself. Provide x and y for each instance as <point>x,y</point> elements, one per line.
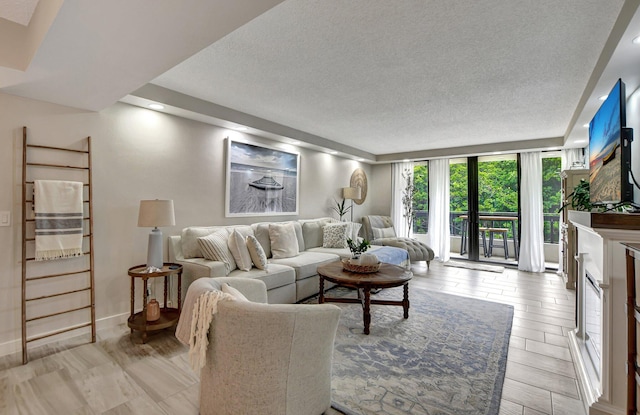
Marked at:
<point>393,77</point>
<point>377,79</point>
<point>18,11</point>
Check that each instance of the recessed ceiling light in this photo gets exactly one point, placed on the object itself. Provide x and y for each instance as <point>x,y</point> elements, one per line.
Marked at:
<point>581,141</point>
<point>405,160</point>
<point>240,128</point>
<point>295,143</point>
<point>156,106</point>
<point>636,40</point>
<point>602,98</point>
<point>359,159</point>
<point>333,152</point>
<point>585,125</point>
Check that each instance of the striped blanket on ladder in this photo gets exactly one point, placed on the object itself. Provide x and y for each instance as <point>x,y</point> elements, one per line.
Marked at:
<point>58,207</point>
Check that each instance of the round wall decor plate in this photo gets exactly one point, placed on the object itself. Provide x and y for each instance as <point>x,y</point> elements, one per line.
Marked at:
<point>359,179</point>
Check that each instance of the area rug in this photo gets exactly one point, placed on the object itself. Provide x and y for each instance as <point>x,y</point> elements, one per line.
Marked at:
<point>449,357</point>
<point>474,265</point>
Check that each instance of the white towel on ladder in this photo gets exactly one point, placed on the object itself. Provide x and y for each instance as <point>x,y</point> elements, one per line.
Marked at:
<point>58,210</point>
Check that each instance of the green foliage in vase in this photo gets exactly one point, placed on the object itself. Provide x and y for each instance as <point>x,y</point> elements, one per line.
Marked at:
<point>356,248</point>
<point>340,208</point>
<point>579,198</point>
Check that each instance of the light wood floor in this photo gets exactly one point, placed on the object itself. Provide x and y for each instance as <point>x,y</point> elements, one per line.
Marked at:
<point>540,377</point>
<point>119,376</point>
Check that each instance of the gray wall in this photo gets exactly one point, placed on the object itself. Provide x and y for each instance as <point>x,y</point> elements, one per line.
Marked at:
<point>142,154</point>
<point>381,192</point>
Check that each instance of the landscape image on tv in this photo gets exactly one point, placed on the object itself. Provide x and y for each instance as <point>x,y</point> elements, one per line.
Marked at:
<point>604,150</point>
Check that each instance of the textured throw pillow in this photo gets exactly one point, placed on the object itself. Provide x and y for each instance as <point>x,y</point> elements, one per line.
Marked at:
<point>284,243</point>
<point>238,247</point>
<point>335,235</point>
<point>237,295</point>
<point>214,248</point>
<point>379,233</point>
<point>258,256</point>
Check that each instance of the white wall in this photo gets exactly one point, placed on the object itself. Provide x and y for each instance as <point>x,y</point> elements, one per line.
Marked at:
<point>140,154</point>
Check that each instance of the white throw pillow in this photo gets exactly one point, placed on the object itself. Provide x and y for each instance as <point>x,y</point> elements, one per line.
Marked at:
<point>214,248</point>
<point>190,245</point>
<point>353,230</point>
<point>379,233</point>
<point>238,247</point>
<point>258,255</point>
<point>335,235</point>
<point>237,295</point>
<point>284,243</point>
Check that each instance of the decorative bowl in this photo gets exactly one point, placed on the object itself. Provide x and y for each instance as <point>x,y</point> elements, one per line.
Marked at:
<point>360,268</point>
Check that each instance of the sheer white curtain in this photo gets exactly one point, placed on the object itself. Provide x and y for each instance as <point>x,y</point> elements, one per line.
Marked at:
<point>532,224</point>
<point>439,238</point>
<point>570,156</point>
<point>397,185</point>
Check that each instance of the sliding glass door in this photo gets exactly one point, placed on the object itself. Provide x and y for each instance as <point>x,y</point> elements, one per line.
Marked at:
<point>459,205</point>
<point>484,207</point>
<point>498,208</point>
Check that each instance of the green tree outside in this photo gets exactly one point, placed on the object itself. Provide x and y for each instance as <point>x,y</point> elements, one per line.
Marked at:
<point>498,188</point>
<point>421,197</point>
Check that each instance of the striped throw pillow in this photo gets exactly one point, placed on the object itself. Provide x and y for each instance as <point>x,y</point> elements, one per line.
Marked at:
<point>214,248</point>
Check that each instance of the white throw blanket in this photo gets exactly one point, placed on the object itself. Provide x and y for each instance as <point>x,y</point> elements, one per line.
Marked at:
<point>58,213</point>
<point>200,304</point>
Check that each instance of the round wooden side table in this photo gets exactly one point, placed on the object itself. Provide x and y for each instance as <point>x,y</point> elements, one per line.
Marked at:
<point>168,315</point>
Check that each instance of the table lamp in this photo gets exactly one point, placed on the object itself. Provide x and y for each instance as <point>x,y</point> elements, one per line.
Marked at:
<point>155,213</point>
<point>351,193</point>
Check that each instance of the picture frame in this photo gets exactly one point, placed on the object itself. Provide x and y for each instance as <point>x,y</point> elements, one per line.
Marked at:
<point>261,180</point>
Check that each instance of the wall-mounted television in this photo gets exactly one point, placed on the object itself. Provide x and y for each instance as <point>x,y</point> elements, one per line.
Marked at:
<point>610,151</point>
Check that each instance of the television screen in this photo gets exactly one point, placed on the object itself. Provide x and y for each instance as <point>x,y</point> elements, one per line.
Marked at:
<point>609,151</point>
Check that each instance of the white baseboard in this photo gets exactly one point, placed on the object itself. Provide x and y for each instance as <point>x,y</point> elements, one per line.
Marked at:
<point>15,346</point>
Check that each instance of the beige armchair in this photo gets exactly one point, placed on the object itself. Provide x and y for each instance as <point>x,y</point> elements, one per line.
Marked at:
<point>268,358</point>
<point>379,230</point>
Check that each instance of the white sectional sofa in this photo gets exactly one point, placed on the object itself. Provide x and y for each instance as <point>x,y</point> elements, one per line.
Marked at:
<point>288,280</point>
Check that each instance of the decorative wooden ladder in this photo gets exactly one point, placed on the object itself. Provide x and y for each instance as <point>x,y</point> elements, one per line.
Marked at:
<point>41,289</point>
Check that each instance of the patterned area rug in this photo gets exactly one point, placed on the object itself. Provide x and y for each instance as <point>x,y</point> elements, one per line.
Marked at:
<point>449,357</point>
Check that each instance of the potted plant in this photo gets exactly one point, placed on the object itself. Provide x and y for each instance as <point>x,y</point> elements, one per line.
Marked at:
<point>579,198</point>
<point>340,208</point>
<point>357,249</point>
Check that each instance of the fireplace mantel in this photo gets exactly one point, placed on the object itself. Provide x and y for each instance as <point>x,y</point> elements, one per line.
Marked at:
<point>606,221</point>
<point>599,253</point>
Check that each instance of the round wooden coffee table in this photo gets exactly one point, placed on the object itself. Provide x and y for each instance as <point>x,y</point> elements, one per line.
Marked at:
<point>387,277</point>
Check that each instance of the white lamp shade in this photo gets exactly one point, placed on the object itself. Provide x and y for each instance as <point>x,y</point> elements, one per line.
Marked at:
<point>156,213</point>
<point>351,193</point>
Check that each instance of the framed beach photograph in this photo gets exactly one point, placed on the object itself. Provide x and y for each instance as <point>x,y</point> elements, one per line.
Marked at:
<point>261,180</point>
